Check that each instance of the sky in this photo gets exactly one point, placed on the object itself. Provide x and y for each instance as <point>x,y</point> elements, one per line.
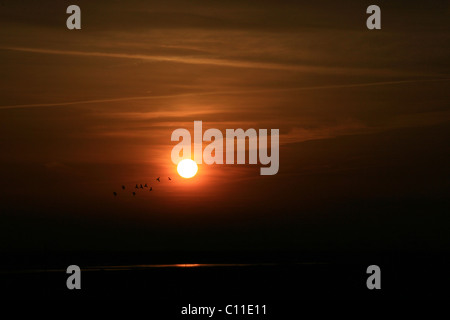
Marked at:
<point>363,118</point>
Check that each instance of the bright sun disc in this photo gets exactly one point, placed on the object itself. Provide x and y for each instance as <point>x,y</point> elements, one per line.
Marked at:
<point>187,168</point>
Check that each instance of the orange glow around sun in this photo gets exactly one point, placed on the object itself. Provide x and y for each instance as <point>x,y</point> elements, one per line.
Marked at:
<point>187,168</point>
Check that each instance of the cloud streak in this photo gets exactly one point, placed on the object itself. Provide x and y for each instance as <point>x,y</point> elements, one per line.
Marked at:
<point>211,61</point>
<point>230,92</point>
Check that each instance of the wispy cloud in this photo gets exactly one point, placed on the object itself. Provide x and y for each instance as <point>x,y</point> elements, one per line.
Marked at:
<point>231,92</point>
<point>213,61</point>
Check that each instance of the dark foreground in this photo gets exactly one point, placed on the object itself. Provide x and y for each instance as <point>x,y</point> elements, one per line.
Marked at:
<point>247,280</point>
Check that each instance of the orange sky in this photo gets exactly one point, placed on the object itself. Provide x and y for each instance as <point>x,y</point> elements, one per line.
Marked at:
<point>83,112</point>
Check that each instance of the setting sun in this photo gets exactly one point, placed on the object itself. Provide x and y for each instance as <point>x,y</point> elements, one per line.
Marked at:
<point>187,168</point>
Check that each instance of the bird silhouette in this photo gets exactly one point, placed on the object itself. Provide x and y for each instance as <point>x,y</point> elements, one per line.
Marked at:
<point>151,188</point>
<point>158,179</point>
<point>142,186</point>
<point>134,193</point>
<point>170,179</point>
<point>115,193</point>
<point>136,186</point>
<point>123,187</point>
<point>145,186</point>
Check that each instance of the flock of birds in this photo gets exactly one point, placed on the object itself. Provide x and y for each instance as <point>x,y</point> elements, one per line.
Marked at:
<point>140,186</point>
